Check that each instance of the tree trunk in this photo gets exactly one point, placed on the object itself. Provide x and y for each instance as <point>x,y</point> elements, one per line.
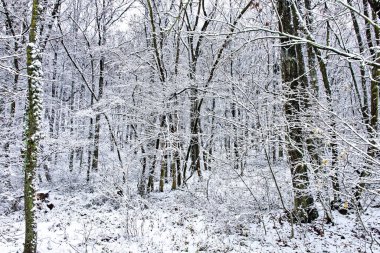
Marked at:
<point>95,158</point>
<point>294,88</point>
<point>32,135</point>
<point>372,151</point>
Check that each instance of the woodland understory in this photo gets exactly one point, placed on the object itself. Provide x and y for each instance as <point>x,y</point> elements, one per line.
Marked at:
<point>189,126</point>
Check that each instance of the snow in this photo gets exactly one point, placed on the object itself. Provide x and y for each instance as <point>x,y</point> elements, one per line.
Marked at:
<point>43,191</point>
<point>179,221</point>
<point>228,211</point>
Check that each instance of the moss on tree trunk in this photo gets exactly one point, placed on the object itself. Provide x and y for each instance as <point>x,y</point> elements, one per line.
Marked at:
<point>33,117</point>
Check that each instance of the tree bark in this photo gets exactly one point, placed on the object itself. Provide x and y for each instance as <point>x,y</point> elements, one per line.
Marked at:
<point>294,90</point>
<point>32,135</point>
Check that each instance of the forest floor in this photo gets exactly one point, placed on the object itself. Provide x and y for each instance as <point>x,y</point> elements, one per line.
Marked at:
<point>180,222</point>
<point>90,220</point>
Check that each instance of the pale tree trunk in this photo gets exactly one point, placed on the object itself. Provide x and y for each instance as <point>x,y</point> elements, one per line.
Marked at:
<point>32,135</point>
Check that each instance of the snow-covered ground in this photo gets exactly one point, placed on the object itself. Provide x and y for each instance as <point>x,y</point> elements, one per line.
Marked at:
<point>90,220</point>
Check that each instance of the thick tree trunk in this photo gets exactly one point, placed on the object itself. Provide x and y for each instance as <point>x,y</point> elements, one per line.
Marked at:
<point>294,88</point>
<point>323,69</point>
